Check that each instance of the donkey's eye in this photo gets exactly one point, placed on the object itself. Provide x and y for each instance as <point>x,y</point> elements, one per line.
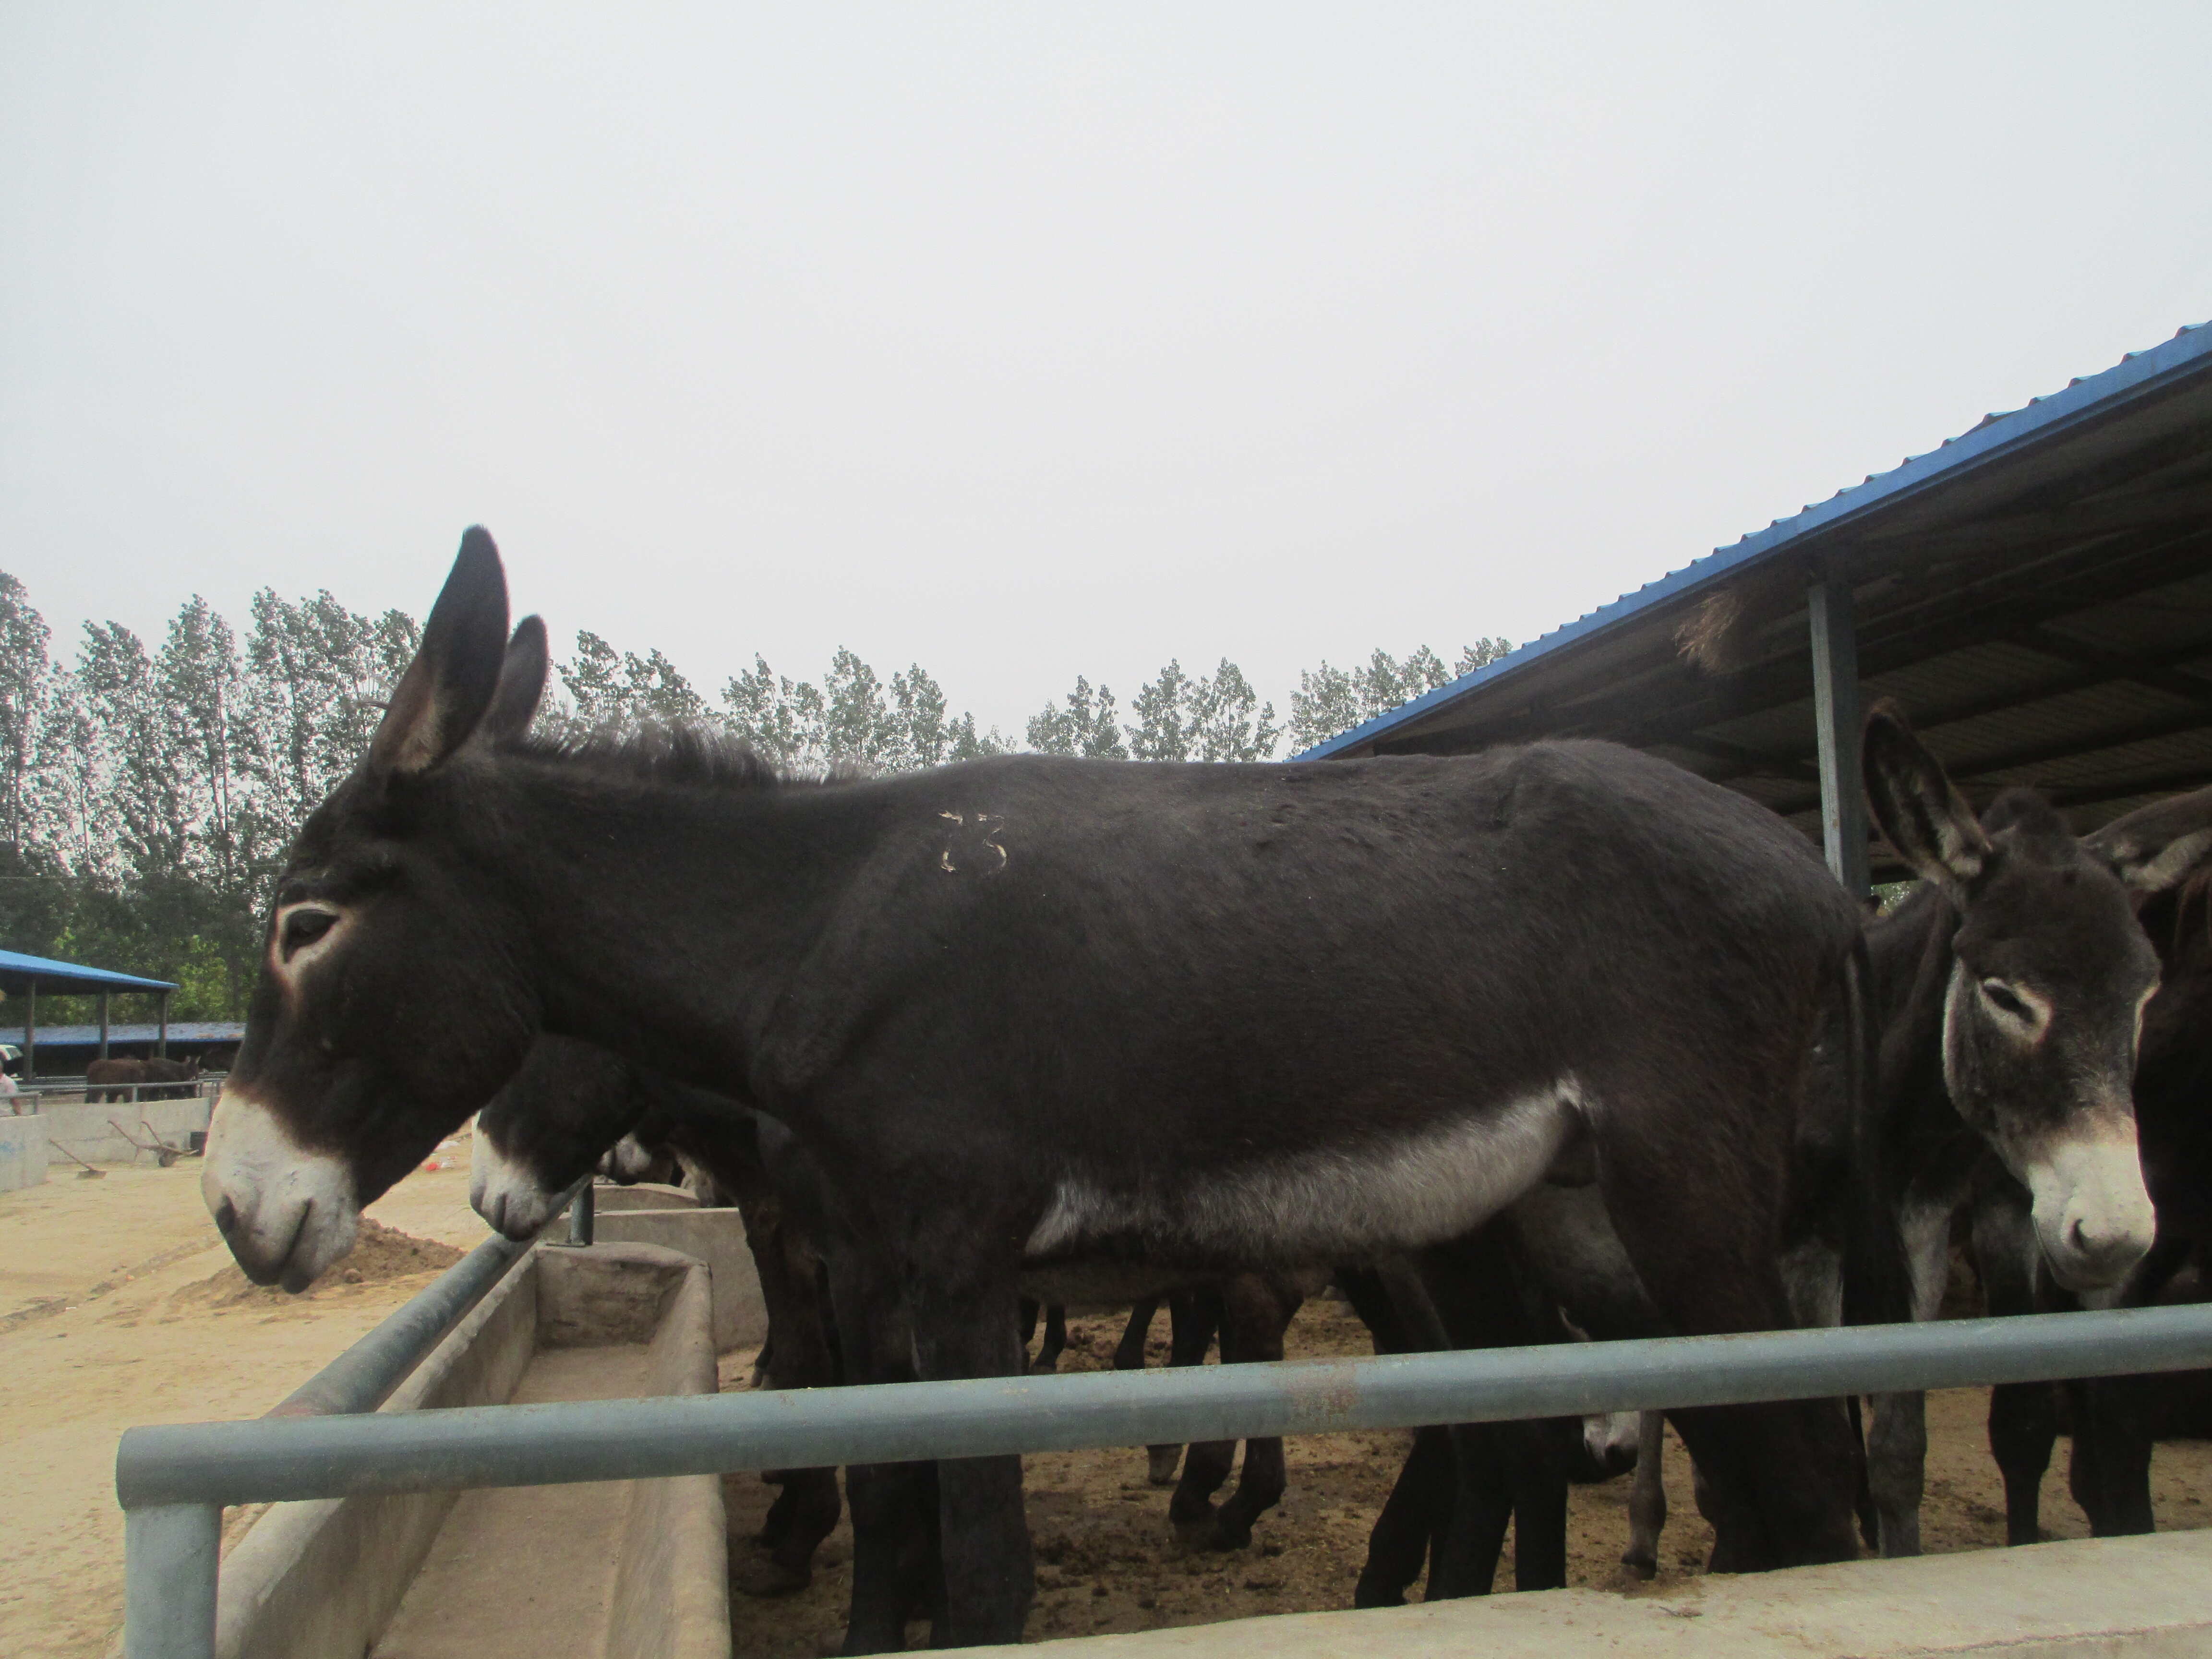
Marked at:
<point>303,928</point>
<point>2006,1000</point>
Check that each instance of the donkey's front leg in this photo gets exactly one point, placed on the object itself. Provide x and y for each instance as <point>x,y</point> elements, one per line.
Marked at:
<point>965,1326</point>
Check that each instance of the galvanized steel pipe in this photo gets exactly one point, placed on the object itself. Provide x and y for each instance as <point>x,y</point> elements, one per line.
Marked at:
<point>362,1377</point>
<point>626,1439</point>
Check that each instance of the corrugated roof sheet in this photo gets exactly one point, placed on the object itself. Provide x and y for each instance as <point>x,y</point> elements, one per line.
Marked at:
<point>17,970</point>
<point>2136,375</point>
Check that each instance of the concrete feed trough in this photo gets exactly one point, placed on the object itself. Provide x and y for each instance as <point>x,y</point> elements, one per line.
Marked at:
<point>615,1569</point>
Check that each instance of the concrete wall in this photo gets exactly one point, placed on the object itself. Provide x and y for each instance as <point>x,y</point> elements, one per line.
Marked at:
<point>716,1237</point>
<point>23,1151</point>
<point>325,1577</point>
<point>2105,1598</point>
<point>672,1577</point>
<point>640,1195</point>
<point>322,1580</point>
<point>86,1131</point>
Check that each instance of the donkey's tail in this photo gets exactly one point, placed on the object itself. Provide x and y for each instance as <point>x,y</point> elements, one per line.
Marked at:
<point>1873,1268</point>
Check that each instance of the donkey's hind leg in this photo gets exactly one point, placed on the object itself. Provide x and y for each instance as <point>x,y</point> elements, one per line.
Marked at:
<point>1256,1311</point>
<point>1207,1465</point>
<point>1193,1316</point>
<point>1647,1497</point>
<point>1782,1476</point>
<point>1055,1339</point>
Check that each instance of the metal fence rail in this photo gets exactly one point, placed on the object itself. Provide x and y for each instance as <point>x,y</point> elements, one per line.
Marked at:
<point>172,1480</point>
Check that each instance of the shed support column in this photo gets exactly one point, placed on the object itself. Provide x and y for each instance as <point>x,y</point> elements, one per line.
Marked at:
<point>1836,720</point>
<point>162,1042</point>
<point>31,1033</point>
<point>103,1025</point>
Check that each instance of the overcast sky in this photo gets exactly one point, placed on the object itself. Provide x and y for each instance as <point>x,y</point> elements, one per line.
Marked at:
<point>1031,341</point>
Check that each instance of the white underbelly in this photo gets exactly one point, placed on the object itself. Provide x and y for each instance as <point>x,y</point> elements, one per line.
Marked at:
<point>1335,1203</point>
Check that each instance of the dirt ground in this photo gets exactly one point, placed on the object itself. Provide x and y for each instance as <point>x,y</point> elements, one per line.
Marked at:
<point>118,1306</point>
<point>1108,1561</point>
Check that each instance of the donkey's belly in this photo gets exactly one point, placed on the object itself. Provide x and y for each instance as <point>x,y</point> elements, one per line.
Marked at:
<point>1326,1204</point>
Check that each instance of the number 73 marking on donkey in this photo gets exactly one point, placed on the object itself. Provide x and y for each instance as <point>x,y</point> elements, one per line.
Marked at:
<point>983,831</point>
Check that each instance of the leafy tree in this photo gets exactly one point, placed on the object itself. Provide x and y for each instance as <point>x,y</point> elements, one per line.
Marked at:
<point>621,691</point>
<point>1228,722</point>
<point>783,721</point>
<point>1219,718</point>
<point>24,676</point>
<point>1162,712</point>
<point>1083,723</point>
<point>968,743</point>
<point>856,724</point>
<point>850,720</point>
<point>1330,700</point>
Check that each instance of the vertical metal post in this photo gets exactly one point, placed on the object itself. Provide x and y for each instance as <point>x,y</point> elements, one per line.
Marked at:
<point>162,1042</point>
<point>170,1553</point>
<point>31,1033</point>
<point>103,1025</point>
<point>581,1214</point>
<point>1836,723</point>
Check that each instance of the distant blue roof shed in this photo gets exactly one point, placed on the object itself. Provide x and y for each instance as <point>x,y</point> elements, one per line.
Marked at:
<point>18,972</point>
<point>2036,592</point>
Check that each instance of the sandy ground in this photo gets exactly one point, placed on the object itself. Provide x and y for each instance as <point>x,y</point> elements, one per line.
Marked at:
<point>118,1306</point>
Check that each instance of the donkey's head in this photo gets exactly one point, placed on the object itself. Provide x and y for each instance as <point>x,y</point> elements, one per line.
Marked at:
<point>2049,973</point>
<point>547,1130</point>
<point>390,1002</point>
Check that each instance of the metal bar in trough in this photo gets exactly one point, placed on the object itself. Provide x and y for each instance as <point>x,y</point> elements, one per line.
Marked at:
<point>362,1377</point>
<point>632,1439</point>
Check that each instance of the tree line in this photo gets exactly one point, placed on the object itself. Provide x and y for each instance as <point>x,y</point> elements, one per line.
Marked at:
<point>148,793</point>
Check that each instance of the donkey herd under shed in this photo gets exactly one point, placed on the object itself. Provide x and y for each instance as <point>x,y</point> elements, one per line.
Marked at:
<point>1531,1012</point>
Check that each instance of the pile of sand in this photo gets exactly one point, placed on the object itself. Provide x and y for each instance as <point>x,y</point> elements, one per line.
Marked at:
<point>379,1254</point>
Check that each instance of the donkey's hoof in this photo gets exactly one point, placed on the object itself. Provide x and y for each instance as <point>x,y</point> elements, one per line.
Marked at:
<point>1045,1366</point>
<point>1645,1567</point>
<point>1160,1464</point>
<point>1192,1533</point>
<point>1230,1533</point>
<point>765,1576</point>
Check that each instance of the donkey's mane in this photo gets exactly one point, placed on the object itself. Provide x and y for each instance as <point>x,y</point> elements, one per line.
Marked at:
<point>2028,812</point>
<point>679,755</point>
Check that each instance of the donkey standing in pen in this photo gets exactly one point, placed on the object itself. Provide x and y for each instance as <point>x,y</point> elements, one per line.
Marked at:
<point>2009,992</point>
<point>2117,1419</point>
<point>1035,1010</point>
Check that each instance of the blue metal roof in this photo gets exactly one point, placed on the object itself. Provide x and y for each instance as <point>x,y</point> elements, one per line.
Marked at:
<point>69,978</point>
<point>2137,375</point>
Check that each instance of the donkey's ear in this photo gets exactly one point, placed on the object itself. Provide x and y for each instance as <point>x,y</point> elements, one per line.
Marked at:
<point>521,684</point>
<point>2159,846</point>
<point>446,689</point>
<point>1911,798</point>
